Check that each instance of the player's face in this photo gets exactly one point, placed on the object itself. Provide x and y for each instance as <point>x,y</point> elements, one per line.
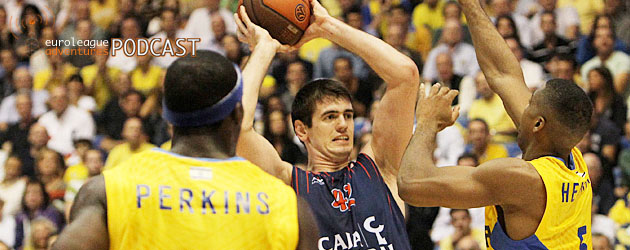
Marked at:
<point>332,130</point>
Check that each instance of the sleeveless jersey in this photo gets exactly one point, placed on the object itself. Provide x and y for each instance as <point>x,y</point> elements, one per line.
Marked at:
<point>161,200</point>
<point>353,207</point>
<point>566,223</point>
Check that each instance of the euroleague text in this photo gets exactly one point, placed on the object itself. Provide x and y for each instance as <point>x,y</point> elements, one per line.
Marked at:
<point>204,202</point>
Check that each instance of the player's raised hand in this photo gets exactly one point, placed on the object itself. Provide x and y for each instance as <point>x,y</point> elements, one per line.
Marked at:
<point>436,106</point>
<point>319,15</point>
<point>252,34</point>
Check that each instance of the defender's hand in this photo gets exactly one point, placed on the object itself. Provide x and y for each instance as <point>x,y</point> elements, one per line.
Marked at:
<point>436,106</point>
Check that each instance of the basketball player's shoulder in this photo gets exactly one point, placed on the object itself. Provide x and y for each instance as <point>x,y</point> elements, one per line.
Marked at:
<point>503,170</point>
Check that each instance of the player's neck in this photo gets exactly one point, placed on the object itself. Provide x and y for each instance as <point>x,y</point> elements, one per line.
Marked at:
<point>203,146</point>
<point>537,152</point>
<point>320,163</point>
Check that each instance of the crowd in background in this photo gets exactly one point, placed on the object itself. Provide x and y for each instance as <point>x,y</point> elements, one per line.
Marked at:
<point>66,117</point>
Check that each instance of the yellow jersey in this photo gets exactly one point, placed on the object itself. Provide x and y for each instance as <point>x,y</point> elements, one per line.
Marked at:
<point>161,200</point>
<point>566,223</point>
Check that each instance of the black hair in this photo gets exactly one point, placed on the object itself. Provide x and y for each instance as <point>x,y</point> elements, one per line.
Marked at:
<point>566,57</point>
<point>132,92</point>
<point>355,8</point>
<point>609,85</point>
<point>312,93</point>
<point>482,121</point>
<point>194,83</point>
<point>76,77</point>
<point>344,58</point>
<point>569,105</point>
<point>454,210</point>
<point>591,37</point>
<point>45,200</point>
<point>512,24</point>
<point>547,12</point>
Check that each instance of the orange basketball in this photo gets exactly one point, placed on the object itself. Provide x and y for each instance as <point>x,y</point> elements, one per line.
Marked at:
<point>285,20</point>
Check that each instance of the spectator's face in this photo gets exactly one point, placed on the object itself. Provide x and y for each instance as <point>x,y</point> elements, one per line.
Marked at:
<point>505,28</point>
<point>482,86</point>
<point>444,66</point>
<point>548,24</point>
<point>33,196</point>
<point>24,106</point>
<point>132,131</point>
<point>22,79</point>
<point>84,29</point>
<point>131,104</point>
<point>594,167</point>
<point>595,81</point>
<point>59,99</point>
<point>603,22</point>
<point>478,133</point>
<point>452,11</point>
<point>461,221</point>
<point>3,17</point>
<point>94,162</point>
<point>129,29</point>
<point>343,70</point>
<point>168,22</point>
<point>515,48</point>
<point>470,162</point>
<point>452,32</point>
<point>564,70</point>
<point>231,46</point>
<point>274,103</point>
<point>501,7</point>
<point>48,164</point>
<point>40,233</point>
<point>126,6</point>
<point>296,74</point>
<point>277,127</point>
<point>354,20</point>
<point>396,36</point>
<point>548,5</point>
<point>75,87</point>
<point>12,168</point>
<point>346,4</point>
<point>467,243</point>
<point>603,41</point>
<point>124,84</point>
<point>399,17</point>
<point>601,243</point>
<point>83,9</point>
<point>218,25</point>
<point>55,58</point>
<point>8,60</point>
<point>38,136</point>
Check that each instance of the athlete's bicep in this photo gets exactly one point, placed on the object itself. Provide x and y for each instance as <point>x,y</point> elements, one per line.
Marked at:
<point>496,182</point>
<point>309,232</point>
<point>88,219</point>
<point>255,148</point>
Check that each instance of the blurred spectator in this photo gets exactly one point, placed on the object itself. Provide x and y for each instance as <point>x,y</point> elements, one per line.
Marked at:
<point>324,67</point>
<point>354,18</point>
<point>218,28</point>
<point>620,212</point>
<point>15,9</point>
<point>586,50</point>
<point>553,43</point>
<point>532,71</point>
<point>23,83</point>
<point>468,243</point>
<point>200,21</point>
<point>91,165</point>
<point>41,231</point>
<point>99,78</point>
<point>12,187</point>
<point>429,13</point>
<point>80,57</point>
<point>601,242</point>
<point>170,30</point>
<point>601,224</point>
<point>56,75</point>
<point>617,9</point>
<point>460,219</point>
<point>481,142</point>
<point>587,11</point>
<point>39,60</point>
<point>156,25</point>
<point>448,78</point>
<point>280,66</point>
<point>6,37</point>
<point>296,77</point>
<point>605,137</point>
<point>396,37</point>
<point>568,21</point>
<point>234,51</point>
<point>521,23</point>
<point>146,77</point>
<point>563,66</point>
<point>31,26</point>
<point>65,122</point>
<point>113,117</point>
<point>607,103</point>
<point>463,54</point>
<point>37,139</point>
<point>489,108</point>
<point>450,145</point>
<point>135,142</point>
<point>9,63</point>
<point>361,91</point>
<point>278,133</point>
<point>103,12</point>
<point>35,203</point>
<point>129,29</point>
<point>507,27</point>
<point>15,137</point>
<point>417,38</point>
<point>603,198</point>
<point>50,168</point>
<point>77,96</point>
<point>617,62</point>
<point>7,228</point>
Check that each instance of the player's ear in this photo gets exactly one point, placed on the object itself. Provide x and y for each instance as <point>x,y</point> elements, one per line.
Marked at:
<point>300,130</point>
<point>540,124</point>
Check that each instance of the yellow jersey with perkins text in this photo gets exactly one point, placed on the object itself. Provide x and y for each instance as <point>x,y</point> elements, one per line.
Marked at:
<point>160,200</point>
<point>566,223</point>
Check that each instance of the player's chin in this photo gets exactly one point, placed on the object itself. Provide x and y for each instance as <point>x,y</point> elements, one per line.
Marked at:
<point>341,151</point>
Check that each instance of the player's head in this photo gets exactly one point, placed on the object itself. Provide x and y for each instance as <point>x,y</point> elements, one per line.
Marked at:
<point>202,95</point>
<point>601,242</point>
<point>322,117</point>
<point>557,117</point>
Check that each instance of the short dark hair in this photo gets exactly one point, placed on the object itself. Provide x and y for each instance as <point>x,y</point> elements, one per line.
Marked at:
<point>482,121</point>
<point>42,187</point>
<point>548,12</point>
<point>345,58</point>
<point>313,92</point>
<point>570,106</point>
<point>454,210</point>
<point>76,78</point>
<point>468,156</point>
<point>132,92</point>
<point>566,57</point>
<point>609,81</point>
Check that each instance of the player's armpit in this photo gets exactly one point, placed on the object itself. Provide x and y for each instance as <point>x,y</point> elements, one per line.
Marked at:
<point>258,150</point>
<point>503,181</point>
<point>309,233</point>
<point>88,219</point>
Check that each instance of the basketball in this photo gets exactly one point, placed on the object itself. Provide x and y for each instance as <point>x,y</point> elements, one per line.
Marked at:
<point>286,20</point>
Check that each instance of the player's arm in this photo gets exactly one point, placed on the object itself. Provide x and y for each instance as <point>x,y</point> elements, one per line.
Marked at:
<point>421,183</point>
<point>309,233</point>
<point>251,145</point>
<point>393,123</point>
<point>88,219</point>
<point>497,62</point>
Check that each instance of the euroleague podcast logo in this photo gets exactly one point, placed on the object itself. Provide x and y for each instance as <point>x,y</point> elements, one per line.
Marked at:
<point>156,47</point>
